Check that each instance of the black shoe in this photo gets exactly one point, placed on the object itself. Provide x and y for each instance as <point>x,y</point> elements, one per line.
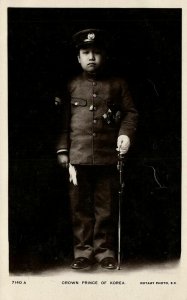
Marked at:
<point>108,263</point>
<point>81,263</point>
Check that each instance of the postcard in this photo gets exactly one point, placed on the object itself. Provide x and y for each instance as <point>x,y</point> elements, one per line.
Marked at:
<point>92,150</point>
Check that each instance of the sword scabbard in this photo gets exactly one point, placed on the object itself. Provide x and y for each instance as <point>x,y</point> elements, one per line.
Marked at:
<point>120,193</point>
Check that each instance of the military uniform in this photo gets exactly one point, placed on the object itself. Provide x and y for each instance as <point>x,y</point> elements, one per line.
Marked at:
<point>98,109</point>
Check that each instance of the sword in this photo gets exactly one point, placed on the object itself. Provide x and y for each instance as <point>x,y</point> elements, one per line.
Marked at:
<point>120,194</point>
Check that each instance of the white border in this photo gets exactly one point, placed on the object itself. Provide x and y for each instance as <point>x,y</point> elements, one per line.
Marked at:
<point>49,286</point>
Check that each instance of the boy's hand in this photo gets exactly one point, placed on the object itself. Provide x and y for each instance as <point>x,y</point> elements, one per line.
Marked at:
<point>123,144</point>
<point>63,160</point>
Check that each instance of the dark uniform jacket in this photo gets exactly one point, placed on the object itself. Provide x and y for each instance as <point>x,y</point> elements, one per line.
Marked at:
<point>98,110</point>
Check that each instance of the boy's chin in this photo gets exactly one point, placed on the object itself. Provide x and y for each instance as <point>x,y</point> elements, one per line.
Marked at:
<point>91,69</point>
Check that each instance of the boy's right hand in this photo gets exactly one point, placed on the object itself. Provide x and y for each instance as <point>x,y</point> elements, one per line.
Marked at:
<point>63,160</point>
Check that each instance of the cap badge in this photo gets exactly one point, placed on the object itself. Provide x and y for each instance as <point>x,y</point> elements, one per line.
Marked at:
<point>91,36</point>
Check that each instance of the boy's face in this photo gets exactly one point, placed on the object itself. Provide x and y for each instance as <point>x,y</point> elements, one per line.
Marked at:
<point>91,58</point>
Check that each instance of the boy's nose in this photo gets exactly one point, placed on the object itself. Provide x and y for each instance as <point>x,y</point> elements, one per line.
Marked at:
<point>92,56</point>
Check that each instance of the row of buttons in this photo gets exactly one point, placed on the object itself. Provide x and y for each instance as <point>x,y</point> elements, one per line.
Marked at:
<point>94,108</point>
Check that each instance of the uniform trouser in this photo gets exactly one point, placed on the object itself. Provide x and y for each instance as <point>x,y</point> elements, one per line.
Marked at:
<point>93,206</point>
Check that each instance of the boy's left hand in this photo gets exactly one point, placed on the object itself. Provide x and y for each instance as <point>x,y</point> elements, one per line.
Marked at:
<point>123,144</point>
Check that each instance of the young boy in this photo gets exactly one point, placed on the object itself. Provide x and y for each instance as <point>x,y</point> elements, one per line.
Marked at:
<point>99,119</point>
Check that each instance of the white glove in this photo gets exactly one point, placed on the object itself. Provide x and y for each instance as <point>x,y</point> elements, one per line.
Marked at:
<point>72,174</point>
<point>123,144</point>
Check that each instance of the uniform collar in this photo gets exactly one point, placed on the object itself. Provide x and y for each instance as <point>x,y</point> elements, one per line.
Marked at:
<point>92,76</point>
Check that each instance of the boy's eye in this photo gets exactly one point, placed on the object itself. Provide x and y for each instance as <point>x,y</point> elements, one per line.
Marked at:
<point>97,52</point>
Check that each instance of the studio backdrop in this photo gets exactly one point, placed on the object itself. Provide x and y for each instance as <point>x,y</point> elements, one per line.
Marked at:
<point>146,50</point>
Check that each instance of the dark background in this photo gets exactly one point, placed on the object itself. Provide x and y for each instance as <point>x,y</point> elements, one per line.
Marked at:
<point>146,49</point>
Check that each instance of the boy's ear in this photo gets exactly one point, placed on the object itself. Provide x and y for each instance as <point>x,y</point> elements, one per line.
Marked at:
<point>78,57</point>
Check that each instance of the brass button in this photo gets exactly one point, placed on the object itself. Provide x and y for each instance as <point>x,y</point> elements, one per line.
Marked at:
<point>94,134</point>
<point>76,103</point>
<point>94,95</point>
<point>94,83</point>
<point>91,108</point>
<point>94,121</point>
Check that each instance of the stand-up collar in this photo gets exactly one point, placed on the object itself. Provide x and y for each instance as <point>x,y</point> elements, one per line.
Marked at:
<point>93,76</point>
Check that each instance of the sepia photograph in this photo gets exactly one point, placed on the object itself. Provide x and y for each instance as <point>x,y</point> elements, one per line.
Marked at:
<point>92,93</point>
<point>94,129</point>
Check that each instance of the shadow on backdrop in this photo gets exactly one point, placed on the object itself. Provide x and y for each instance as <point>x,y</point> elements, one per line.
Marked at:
<point>146,49</point>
